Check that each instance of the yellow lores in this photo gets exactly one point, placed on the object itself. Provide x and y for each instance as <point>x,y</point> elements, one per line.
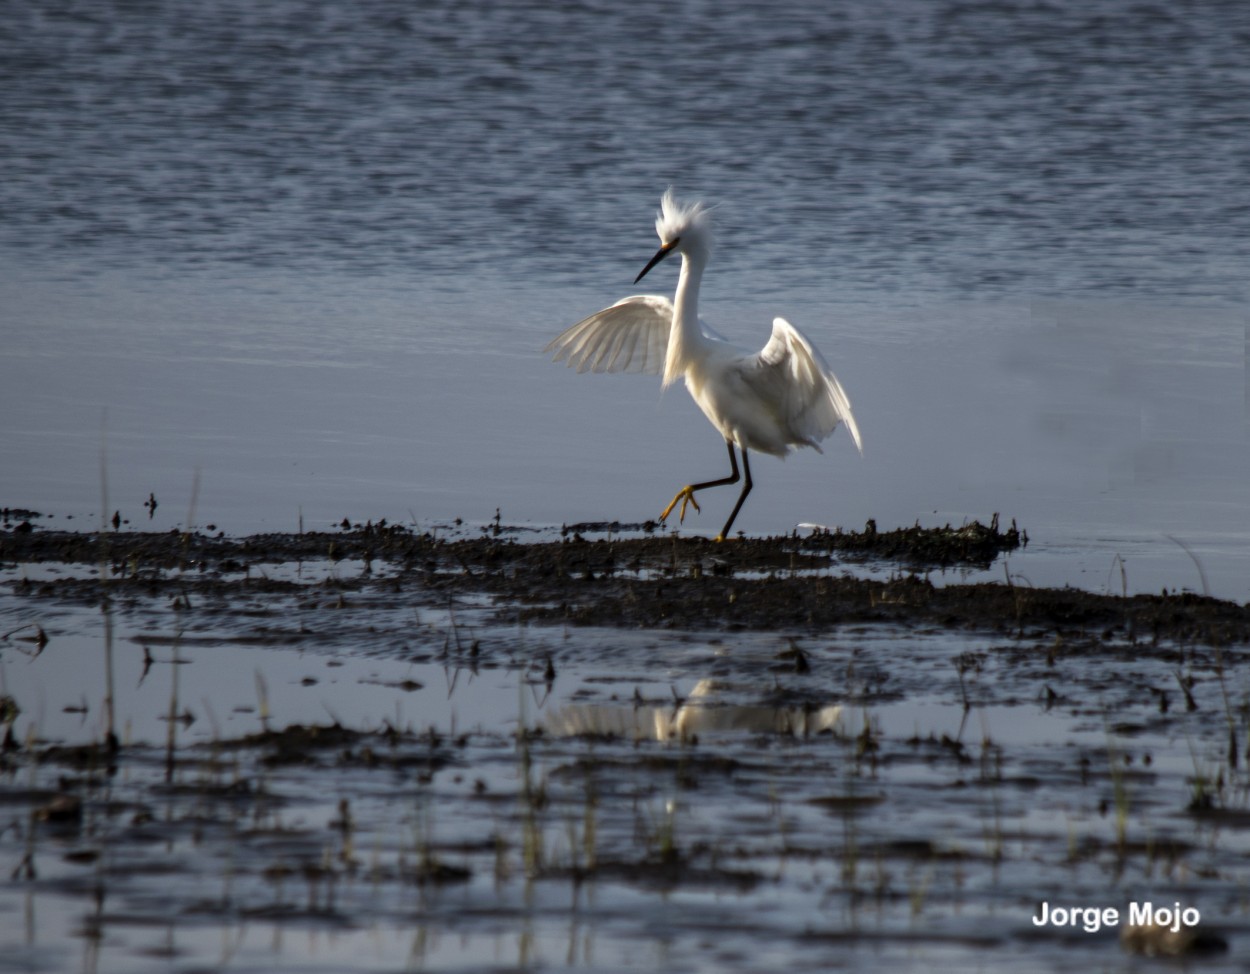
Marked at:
<point>768,401</point>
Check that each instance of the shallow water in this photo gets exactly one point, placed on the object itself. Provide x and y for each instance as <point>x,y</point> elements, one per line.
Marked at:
<point>365,775</point>
<point>290,264</point>
<point>1109,446</point>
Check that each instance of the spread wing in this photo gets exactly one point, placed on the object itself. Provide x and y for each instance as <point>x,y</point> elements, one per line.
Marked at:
<point>630,336</point>
<point>791,374</point>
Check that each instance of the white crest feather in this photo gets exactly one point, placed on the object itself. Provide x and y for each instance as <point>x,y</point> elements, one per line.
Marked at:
<point>677,220</point>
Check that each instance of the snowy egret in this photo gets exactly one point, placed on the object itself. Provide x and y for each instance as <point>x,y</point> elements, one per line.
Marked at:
<point>768,401</point>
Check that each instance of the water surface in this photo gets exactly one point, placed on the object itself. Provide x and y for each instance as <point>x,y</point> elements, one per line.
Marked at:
<point>297,261</point>
<point>278,265</point>
<point>364,771</point>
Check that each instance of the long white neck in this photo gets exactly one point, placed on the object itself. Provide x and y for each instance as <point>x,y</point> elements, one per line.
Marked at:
<point>685,336</point>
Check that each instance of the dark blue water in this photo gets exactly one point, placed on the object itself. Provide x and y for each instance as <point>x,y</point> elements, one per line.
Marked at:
<point>960,148</point>
<point>287,262</point>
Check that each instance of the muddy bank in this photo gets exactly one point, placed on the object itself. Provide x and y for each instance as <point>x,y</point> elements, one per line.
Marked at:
<point>356,742</point>
<point>24,539</point>
<point>652,581</point>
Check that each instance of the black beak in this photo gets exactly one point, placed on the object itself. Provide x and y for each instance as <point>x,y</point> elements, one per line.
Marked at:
<point>659,256</point>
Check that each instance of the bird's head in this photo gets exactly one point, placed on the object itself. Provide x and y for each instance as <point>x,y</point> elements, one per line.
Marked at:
<point>686,228</point>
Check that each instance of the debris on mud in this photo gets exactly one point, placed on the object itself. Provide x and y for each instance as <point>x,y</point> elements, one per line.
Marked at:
<point>666,581</point>
<point>917,547</point>
<point>969,544</point>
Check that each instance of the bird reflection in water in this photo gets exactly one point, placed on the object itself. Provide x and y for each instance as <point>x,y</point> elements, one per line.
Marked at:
<point>705,711</point>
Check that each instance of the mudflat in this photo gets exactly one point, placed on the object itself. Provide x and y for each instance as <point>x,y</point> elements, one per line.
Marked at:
<point>374,747</point>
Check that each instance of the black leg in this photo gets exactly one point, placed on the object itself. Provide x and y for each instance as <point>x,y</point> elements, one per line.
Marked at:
<point>686,494</point>
<point>731,479</point>
<point>746,489</point>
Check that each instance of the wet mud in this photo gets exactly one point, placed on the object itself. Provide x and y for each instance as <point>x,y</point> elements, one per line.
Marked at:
<point>665,581</point>
<point>475,749</point>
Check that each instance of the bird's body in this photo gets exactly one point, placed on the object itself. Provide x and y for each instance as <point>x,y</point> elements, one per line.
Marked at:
<point>769,401</point>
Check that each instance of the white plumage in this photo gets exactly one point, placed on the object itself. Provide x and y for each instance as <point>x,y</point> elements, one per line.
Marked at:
<point>783,396</point>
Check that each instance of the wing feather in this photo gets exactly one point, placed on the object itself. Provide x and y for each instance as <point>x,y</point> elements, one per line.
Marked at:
<point>630,336</point>
<point>790,373</point>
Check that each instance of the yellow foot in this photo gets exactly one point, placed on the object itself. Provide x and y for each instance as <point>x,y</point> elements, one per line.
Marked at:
<point>686,496</point>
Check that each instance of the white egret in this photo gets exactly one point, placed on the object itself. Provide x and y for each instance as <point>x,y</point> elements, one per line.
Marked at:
<point>768,401</point>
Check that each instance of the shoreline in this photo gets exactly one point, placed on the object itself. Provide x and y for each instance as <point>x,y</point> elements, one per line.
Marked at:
<point>652,581</point>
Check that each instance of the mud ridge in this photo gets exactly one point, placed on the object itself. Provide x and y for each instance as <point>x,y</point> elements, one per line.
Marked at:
<point>656,581</point>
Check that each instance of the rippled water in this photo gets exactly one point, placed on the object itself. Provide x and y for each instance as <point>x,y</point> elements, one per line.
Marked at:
<point>947,147</point>
<point>297,260</point>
